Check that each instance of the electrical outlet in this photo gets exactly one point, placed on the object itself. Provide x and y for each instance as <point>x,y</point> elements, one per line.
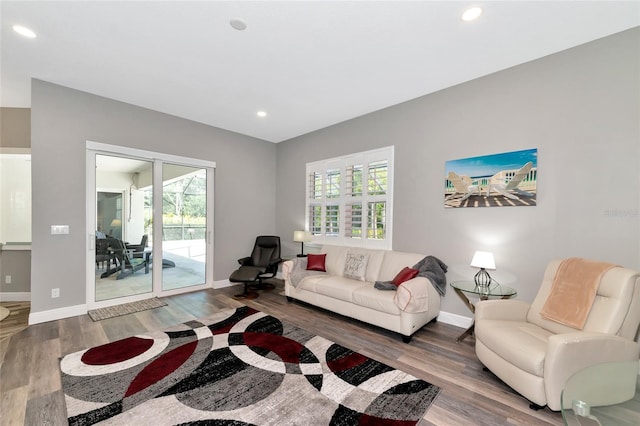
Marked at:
<point>55,292</point>
<point>7,279</point>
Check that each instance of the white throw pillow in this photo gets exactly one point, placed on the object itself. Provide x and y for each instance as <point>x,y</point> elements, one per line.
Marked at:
<point>355,266</point>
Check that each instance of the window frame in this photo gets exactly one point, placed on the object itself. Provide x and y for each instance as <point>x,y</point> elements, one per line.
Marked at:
<point>345,200</point>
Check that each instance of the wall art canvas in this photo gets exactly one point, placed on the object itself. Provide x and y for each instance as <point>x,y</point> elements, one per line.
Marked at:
<point>497,180</point>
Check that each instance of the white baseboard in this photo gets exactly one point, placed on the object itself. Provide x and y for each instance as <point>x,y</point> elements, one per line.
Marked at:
<point>455,319</point>
<point>72,311</point>
<point>56,314</point>
<point>15,296</point>
<point>224,283</point>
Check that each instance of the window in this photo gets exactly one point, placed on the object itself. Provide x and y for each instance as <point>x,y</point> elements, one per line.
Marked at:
<point>349,199</point>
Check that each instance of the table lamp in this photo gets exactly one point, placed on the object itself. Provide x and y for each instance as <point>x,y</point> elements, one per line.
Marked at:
<point>483,260</point>
<point>302,237</point>
<point>115,224</point>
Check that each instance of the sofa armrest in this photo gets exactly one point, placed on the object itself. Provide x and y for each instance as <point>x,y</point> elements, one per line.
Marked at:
<point>413,295</point>
<point>287,267</point>
<point>569,353</point>
<point>502,309</point>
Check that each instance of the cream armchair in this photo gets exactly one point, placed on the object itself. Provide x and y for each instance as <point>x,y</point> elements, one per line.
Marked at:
<point>536,356</point>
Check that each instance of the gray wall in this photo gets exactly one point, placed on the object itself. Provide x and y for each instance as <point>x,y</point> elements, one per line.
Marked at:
<point>15,127</point>
<point>580,108</point>
<point>16,263</point>
<point>64,119</point>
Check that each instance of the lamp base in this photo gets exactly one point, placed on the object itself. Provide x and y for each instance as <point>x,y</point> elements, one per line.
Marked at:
<point>482,278</point>
<point>301,255</point>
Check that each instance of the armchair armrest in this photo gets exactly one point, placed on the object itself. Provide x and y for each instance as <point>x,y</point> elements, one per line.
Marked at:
<point>569,353</point>
<point>502,309</point>
<point>245,261</point>
<point>272,268</point>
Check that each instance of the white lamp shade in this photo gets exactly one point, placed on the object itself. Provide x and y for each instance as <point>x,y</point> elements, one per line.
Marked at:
<point>301,236</point>
<point>483,259</point>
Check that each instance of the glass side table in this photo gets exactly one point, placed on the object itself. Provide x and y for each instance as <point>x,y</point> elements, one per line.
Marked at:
<point>485,292</point>
<point>603,394</point>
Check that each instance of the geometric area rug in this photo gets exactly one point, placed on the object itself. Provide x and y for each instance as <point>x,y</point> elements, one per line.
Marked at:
<point>237,367</point>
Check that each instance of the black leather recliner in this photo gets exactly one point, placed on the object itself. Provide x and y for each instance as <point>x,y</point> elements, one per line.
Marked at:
<point>261,265</point>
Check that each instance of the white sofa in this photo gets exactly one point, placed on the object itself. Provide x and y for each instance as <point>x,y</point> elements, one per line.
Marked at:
<point>414,304</point>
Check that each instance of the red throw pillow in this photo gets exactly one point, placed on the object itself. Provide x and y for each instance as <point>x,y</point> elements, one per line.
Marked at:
<point>405,275</point>
<point>315,262</point>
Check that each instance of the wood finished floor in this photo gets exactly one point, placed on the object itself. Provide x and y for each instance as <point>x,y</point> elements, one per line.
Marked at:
<point>17,320</point>
<point>31,394</point>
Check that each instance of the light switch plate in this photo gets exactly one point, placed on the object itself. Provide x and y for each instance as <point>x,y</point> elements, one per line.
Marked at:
<point>59,229</point>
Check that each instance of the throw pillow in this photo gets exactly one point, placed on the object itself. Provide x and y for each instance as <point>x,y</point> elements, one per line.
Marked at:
<point>315,262</point>
<point>355,266</point>
<point>404,275</point>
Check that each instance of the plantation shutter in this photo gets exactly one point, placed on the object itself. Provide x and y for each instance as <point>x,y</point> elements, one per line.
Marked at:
<point>314,190</point>
<point>349,198</point>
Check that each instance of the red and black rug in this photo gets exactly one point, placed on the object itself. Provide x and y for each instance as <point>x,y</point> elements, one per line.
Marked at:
<point>237,367</point>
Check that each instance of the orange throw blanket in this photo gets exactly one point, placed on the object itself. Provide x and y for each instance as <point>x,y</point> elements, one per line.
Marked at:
<point>573,292</point>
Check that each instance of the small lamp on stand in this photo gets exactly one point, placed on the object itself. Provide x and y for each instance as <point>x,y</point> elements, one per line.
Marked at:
<point>115,224</point>
<point>301,237</point>
<point>483,260</point>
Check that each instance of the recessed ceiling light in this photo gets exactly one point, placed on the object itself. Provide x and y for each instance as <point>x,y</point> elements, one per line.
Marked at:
<point>238,24</point>
<point>471,14</point>
<point>24,31</point>
<point>261,114</point>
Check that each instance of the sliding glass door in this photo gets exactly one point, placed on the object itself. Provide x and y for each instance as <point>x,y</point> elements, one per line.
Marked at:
<point>184,226</point>
<point>124,191</point>
<point>149,223</point>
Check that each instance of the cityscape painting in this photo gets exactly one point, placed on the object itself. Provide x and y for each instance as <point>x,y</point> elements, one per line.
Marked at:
<point>497,180</point>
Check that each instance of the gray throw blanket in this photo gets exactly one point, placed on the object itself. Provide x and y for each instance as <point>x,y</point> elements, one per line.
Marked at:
<point>431,268</point>
<point>299,271</point>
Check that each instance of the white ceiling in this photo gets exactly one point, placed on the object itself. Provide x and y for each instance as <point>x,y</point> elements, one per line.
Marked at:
<point>307,64</point>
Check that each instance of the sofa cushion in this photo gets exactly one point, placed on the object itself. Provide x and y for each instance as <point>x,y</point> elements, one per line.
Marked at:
<point>376,257</point>
<point>519,343</point>
<point>338,287</point>
<point>381,301</point>
<point>336,256</point>
<point>355,265</point>
<point>404,275</point>
<point>310,283</point>
<point>316,262</point>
